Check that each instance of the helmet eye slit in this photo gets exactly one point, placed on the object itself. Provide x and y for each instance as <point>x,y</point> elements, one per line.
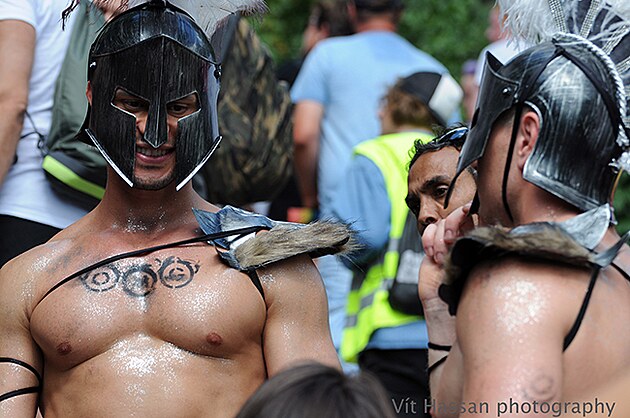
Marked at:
<point>129,102</point>
<point>184,106</point>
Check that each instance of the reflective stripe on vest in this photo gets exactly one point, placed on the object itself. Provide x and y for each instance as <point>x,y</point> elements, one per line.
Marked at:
<point>368,308</point>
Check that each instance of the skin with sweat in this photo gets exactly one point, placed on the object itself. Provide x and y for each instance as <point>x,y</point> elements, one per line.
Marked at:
<point>514,314</point>
<point>172,333</point>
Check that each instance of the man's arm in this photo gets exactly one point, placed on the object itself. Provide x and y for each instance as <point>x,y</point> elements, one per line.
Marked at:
<point>511,323</point>
<point>307,117</point>
<point>297,316</point>
<point>17,49</point>
<point>20,361</point>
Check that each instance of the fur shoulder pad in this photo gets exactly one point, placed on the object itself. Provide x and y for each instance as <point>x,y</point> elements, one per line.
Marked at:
<point>281,241</point>
<point>539,242</point>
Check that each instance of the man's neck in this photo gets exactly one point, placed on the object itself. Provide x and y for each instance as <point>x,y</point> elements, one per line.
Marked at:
<point>376,24</point>
<point>537,205</point>
<point>164,212</point>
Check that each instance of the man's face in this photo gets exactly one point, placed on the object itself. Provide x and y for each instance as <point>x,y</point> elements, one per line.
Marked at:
<point>429,180</point>
<point>154,167</point>
<point>490,172</point>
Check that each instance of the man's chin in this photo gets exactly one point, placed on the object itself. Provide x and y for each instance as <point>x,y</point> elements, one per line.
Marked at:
<point>158,184</point>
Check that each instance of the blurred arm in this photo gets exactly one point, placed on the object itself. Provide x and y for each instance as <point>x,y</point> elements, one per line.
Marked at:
<point>306,130</point>
<point>17,49</point>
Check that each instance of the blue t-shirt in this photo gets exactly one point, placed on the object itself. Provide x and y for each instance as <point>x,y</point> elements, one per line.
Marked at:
<point>349,75</point>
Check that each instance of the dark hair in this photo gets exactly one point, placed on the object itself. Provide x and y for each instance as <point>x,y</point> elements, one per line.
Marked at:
<point>334,14</point>
<point>366,9</point>
<point>314,390</point>
<point>441,140</point>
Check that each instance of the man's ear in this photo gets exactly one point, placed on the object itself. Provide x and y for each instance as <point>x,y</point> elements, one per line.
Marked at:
<point>88,93</point>
<point>527,137</point>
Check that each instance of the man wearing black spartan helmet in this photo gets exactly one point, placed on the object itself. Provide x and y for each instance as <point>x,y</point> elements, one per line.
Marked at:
<point>156,303</point>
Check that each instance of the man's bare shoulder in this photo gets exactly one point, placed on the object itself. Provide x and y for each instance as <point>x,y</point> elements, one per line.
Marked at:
<point>33,272</point>
<point>515,295</point>
<point>286,275</point>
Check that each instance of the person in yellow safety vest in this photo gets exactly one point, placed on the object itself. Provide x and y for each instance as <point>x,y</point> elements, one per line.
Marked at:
<point>379,335</point>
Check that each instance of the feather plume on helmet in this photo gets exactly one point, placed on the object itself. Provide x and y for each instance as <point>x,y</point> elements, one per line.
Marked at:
<point>209,15</point>
<point>603,24</point>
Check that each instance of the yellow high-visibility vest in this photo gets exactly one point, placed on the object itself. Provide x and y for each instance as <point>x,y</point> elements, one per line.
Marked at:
<point>368,307</point>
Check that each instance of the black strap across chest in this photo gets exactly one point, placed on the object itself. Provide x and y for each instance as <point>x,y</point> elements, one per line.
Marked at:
<point>145,251</point>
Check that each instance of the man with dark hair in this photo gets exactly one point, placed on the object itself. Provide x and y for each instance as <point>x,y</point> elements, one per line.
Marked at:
<point>384,332</point>
<point>93,322</point>
<point>431,171</point>
<point>542,309</point>
<point>337,95</point>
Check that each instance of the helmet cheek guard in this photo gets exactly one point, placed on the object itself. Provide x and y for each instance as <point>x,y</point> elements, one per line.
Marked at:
<point>496,95</point>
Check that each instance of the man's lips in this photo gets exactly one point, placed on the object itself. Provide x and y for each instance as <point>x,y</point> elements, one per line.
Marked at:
<point>152,155</point>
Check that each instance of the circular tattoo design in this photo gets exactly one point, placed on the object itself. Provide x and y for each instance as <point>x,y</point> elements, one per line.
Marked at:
<point>139,280</point>
<point>102,279</point>
<point>175,272</point>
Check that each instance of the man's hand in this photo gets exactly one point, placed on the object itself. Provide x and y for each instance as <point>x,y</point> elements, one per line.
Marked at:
<point>438,238</point>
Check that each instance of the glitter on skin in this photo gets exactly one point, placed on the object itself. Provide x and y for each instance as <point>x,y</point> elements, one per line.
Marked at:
<point>267,278</point>
<point>134,226</point>
<point>142,357</point>
<point>522,305</point>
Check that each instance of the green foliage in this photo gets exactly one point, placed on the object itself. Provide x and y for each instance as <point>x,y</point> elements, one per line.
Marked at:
<point>622,204</point>
<point>281,29</point>
<point>450,30</point>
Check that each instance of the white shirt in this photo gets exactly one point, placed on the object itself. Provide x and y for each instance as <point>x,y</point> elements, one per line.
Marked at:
<point>26,193</point>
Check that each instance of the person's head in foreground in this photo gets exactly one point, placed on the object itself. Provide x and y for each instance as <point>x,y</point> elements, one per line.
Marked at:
<point>431,170</point>
<point>551,125</point>
<point>313,390</point>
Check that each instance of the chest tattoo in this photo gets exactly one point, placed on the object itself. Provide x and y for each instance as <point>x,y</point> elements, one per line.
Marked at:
<point>141,279</point>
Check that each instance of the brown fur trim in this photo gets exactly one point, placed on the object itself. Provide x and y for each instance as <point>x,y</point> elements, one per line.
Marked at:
<point>282,241</point>
<point>545,244</point>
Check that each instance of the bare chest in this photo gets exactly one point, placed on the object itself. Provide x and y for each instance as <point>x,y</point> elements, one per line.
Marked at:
<point>185,298</point>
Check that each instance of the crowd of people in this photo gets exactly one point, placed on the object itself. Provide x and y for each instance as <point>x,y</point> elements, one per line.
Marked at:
<point>464,260</point>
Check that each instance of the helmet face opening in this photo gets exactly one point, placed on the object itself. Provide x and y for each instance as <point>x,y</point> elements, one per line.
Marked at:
<point>158,56</point>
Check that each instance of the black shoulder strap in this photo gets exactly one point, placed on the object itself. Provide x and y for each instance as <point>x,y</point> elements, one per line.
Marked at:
<point>621,271</point>
<point>253,276</point>
<point>578,321</point>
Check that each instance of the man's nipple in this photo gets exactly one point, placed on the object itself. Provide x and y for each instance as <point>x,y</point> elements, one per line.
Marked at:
<point>64,348</point>
<point>214,339</point>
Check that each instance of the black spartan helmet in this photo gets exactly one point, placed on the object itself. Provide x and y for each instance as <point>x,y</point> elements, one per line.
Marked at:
<point>158,53</point>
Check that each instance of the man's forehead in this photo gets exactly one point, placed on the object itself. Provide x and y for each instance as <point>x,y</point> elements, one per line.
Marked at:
<point>442,162</point>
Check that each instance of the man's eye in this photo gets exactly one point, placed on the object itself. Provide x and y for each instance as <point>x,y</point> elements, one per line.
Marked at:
<point>440,192</point>
<point>133,104</point>
<point>180,110</point>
